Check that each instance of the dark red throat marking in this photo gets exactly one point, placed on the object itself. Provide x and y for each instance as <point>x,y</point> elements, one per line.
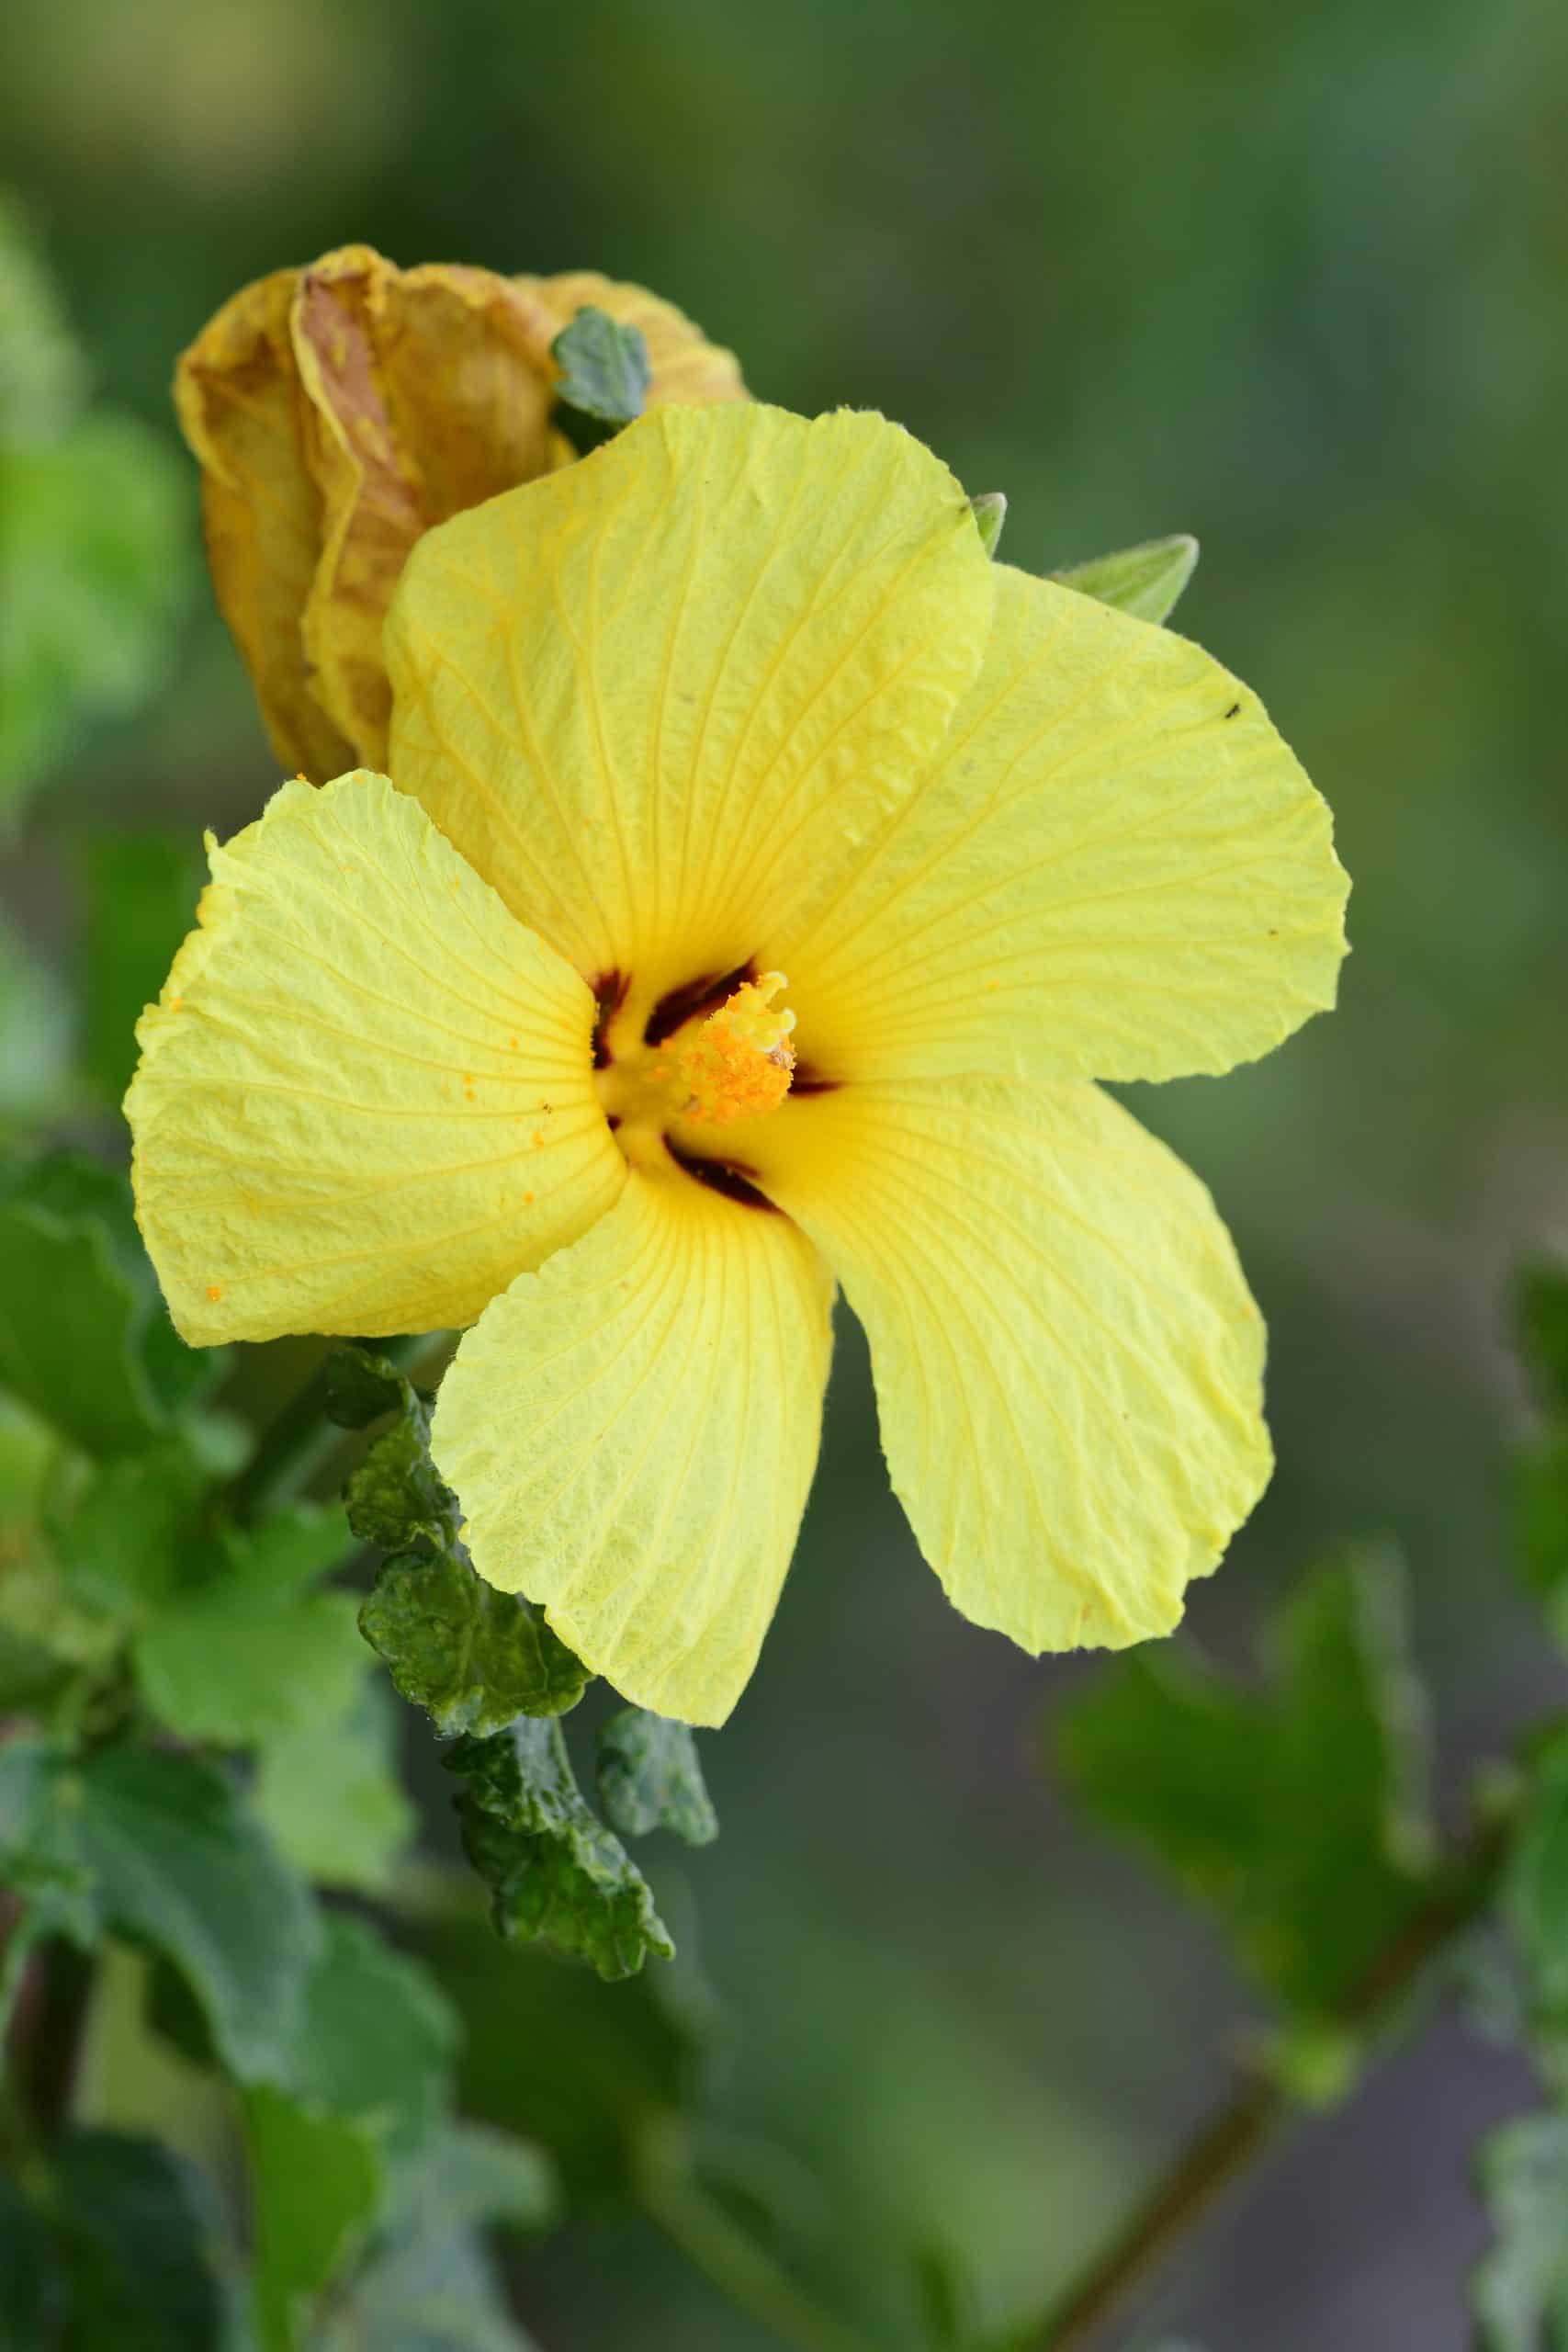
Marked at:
<point>723,1176</point>
<point>704,995</point>
<point>610,994</point>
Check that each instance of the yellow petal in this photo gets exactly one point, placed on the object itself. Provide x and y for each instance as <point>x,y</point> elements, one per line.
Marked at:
<point>241,410</point>
<point>424,395</point>
<point>1068,1364</point>
<point>631,1432</point>
<point>365,1100</point>
<point>1115,868</point>
<point>663,696</point>
<point>685,366</point>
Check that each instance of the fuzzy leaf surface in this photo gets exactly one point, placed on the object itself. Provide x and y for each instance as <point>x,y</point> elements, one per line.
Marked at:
<point>649,1778</point>
<point>554,1870</point>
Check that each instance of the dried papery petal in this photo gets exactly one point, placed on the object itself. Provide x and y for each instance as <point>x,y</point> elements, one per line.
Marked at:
<point>422,398</point>
<point>338,413</point>
<point>240,408</point>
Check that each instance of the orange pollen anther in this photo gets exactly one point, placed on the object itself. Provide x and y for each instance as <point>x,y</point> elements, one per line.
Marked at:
<point>740,1061</point>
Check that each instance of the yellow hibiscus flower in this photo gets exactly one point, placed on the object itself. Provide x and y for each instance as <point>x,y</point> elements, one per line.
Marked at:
<point>512,1045</point>
<point>337,413</point>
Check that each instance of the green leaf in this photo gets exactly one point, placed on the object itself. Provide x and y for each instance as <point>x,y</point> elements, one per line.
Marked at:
<point>317,2180</point>
<point>584,2067</point>
<point>363,1385</point>
<point>397,1498</point>
<point>1520,2285</point>
<point>1540,1321</point>
<point>328,1794</point>
<point>1534,1901</point>
<point>473,1657</point>
<point>427,2285</point>
<point>35,1033</point>
<point>1297,1815</point>
<point>945,2292</point>
<point>245,1654</point>
<point>554,1870</point>
<point>1541,1519</point>
<point>138,2244</point>
<point>649,1779</point>
<point>53,1648</point>
<point>430,2288</point>
<point>990,512</point>
<point>68,1322</point>
<point>475,2173</point>
<point>123,1531</point>
<point>1145,581</point>
<point>41,373</point>
<point>374,2038</point>
<point>605,369</point>
<point>141,892</point>
<point>95,545</point>
<point>158,1848</point>
<point>32,2290</point>
<point>85,1341</point>
<point>368,2078</point>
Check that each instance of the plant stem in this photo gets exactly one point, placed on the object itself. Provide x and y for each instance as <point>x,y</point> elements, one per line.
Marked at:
<point>301,1440</point>
<point>47,2030</point>
<point>744,2273</point>
<point>1246,2125</point>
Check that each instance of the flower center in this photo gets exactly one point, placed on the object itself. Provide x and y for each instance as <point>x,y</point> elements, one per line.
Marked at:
<point>739,1061</point>
<point>698,1064</point>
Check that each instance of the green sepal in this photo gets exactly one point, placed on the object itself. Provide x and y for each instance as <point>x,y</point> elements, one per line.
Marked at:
<point>649,1778</point>
<point>604,369</point>
<point>1145,581</point>
<point>554,1870</point>
<point>990,512</point>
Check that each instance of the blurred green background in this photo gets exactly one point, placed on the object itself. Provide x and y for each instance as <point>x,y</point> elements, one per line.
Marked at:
<point>1295,279</point>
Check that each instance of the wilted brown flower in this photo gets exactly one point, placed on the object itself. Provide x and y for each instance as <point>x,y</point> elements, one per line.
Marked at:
<point>337,413</point>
